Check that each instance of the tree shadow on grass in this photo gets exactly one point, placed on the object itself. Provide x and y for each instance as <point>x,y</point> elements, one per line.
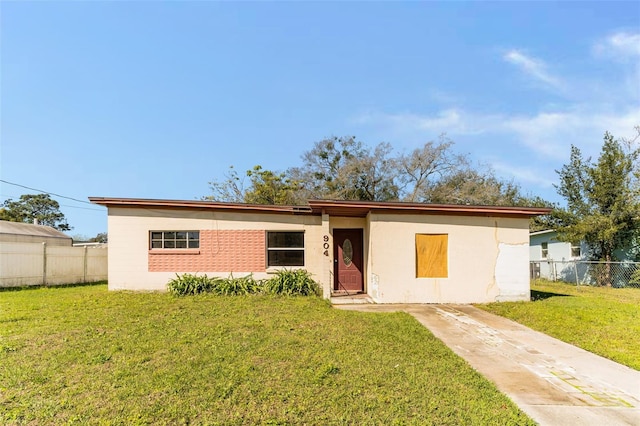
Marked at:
<point>542,295</point>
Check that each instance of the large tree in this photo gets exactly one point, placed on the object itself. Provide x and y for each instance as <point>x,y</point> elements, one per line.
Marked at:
<point>264,187</point>
<point>230,189</point>
<point>268,187</point>
<point>35,208</point>
<point>603,199</point>
<point>421,169</point>
<point>344,168</point>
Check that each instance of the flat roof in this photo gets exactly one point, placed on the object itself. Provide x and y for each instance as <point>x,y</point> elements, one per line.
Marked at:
<point>197,204</point>
<point>361,208</point>
<point>331,207</point>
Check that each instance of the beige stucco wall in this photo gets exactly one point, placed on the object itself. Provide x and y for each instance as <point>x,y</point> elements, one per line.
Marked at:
<point>488,259</point>
<point>129,241</point>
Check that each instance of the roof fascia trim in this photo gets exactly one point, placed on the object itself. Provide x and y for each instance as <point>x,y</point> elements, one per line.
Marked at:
<point>397,207</point>
<point>198,204</point>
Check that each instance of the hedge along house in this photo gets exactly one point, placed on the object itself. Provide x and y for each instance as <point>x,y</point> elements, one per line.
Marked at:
<point>392,252</point>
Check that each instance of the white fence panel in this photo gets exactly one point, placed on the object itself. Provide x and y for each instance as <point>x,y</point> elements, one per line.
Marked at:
<point>65,265</point>
<point>25,264</point>
<point>21,264</point>
<point>96,267</point>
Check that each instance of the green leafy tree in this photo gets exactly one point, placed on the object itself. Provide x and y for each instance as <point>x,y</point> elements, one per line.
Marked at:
<point>101,237</point>
<point>268,187</point>
<point>603,200</point>
<point>345,169</point>
<point>553,220</point>
<point>39,208</point>
<point>264,187</point>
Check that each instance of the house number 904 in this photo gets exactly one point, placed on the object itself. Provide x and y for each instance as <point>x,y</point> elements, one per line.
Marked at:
<point>325,246</point>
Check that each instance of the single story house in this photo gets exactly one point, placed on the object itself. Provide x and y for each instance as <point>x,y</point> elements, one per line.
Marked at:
<point>551,258</point>
<point>544,245</point>
<point>18,232</point>
<point>554,259</point>
<point>393,252</point>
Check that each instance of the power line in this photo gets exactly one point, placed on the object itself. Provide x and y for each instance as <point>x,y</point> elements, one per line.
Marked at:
<point>9,197</point>
<point>82,208</point>
<point>46,192</point>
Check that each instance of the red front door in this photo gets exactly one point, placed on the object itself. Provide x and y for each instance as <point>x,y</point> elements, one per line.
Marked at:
<point>347,255</point>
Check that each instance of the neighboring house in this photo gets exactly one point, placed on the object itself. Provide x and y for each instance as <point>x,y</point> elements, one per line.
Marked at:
<point>554,259</point>
<point>18,232</point>
<point>550,257</point>
<point>544,245</point>
<point>392,252</point>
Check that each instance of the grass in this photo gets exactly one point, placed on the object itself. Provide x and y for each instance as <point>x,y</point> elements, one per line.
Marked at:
<point>86,355</point>
<point>602,320</point>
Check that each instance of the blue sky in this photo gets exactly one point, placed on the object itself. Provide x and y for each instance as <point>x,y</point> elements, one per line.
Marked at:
<point>156,99</point>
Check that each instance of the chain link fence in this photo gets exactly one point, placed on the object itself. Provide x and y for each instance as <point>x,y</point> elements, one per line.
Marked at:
<point>580,272</point>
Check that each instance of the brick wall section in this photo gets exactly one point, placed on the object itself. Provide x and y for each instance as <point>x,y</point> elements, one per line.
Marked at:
<point>220,251</point>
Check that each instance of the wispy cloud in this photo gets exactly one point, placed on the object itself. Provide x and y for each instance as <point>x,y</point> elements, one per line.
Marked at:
<point>621,45</point>
<point>446,119</point>
<point>546,134</point>
<point>624,48</point>
<point>533,67</point>
<point>528,146</point>
<point>451,120</point>
<point>550,133</point>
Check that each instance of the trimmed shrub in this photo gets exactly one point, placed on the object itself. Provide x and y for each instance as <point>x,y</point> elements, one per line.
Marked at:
<point>292,282</point>
<point>237,286</point>
<point>286,282</point>
<point>188,284</point>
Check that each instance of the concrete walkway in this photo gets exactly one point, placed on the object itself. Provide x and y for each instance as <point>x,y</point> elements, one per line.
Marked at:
<point>553,382</point>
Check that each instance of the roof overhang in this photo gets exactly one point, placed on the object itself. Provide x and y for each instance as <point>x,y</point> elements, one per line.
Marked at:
<point>198,205</point>
<point>330,207</point>
<point>362,208</point>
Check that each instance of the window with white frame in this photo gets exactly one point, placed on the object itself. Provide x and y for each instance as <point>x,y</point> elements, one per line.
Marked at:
<point>174,239</point>
<point>285,248</point>
<point>545,250</point>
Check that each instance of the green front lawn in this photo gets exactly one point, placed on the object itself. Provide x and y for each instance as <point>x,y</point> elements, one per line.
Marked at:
<point>602,320</point>
<point>82,354</point>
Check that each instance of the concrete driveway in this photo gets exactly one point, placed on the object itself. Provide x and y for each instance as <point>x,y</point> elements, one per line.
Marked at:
<point>553,382</point>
